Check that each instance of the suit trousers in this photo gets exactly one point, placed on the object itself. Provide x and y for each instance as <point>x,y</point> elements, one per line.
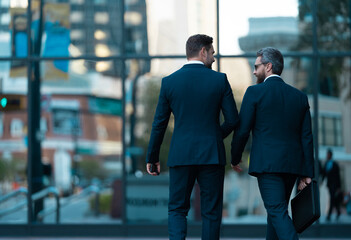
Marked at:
<point>182,179</point>
<point>275,191</point>
<point>334,202</point>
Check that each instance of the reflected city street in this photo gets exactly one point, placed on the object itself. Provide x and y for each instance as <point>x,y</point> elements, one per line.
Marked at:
<point>79,85</point>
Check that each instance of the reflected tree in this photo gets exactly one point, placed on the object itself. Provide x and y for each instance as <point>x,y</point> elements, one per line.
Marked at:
<point>148,101</point>
<point>333,35</point>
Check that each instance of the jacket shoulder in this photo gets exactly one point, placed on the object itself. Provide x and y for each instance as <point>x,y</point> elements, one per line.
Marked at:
<point>254,88</point>
<point>295,90</point>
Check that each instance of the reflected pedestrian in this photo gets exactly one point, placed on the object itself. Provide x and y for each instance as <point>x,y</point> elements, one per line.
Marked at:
<point>331,172</point>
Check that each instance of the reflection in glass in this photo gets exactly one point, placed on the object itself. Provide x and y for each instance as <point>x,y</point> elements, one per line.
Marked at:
<point>76,28</point>
<point>334,119</point>
<point>247,29</point>
<point>329,131</point>
<point>170,28</point>
<point>82,120</point>
<point>13,146</point>
<point>81,100</point>
<point>333,25</point>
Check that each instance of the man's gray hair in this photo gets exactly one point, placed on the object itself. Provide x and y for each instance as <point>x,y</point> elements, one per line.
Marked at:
<point>274,56</point>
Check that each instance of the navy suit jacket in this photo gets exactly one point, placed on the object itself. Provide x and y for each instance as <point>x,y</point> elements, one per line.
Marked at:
<point>195,95</point>
<point>279,117</point>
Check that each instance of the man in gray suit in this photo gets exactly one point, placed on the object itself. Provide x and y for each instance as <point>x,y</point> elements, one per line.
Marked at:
<point>195,95</point>
<point>282,144</point>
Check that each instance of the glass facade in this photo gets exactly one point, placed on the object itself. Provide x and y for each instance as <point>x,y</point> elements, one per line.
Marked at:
<point>78,95</point>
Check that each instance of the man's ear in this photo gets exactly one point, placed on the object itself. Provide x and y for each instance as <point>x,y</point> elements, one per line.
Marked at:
<point>203,52</point>
<point>269,66</point>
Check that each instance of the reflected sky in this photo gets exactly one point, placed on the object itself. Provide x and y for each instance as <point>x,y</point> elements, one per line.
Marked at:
<point>234,18</point>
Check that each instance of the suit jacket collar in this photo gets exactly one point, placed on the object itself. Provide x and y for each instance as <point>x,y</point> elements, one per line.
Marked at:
<point>274,78</point>
<point>194,65</point>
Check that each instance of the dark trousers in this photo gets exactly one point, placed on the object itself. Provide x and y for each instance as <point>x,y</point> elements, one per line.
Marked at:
<point>335,202</point>
<point>182,180</point>
<point>275,191</point>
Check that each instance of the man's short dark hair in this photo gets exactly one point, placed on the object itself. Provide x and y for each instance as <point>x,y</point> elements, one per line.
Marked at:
<point>330,152</point>
<point>274,56</point>
<point>196,42</point>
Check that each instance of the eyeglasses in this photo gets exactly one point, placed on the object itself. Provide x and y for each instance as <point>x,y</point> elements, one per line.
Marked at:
<point>257,65</point>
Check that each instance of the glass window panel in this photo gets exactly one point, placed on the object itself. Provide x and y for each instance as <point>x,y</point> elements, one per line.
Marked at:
<point>136,34</point>
<point>5,3</point>
<point>297,72</point>
<point>339,133</point>
<point>169,28</point>
<point>321,134</point>
<point>13,36</point>
<point>1,124</point>
<point>329,131</point>
<point>239,74</point>
<point>76,17</point>
<point>77,1</point>
<point>334,25</point>
<point>246,28</point>
<point>334,106</point>
<point>100,2</point>
<point>13,147</point>
<point>82,108</point>
<point>70,28</point>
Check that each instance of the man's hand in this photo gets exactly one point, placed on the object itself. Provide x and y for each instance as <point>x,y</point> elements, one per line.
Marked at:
<point>154,173</point>
<point>237,168</point>
<point>303,183</point>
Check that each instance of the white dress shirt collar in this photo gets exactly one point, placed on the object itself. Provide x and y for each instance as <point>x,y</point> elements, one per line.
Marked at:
<point>194,62</point>
<point>273,75</point>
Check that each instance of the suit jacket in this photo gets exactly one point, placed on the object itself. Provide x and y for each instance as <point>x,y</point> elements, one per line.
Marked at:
<point>278,116</point>
<point>333,176</point>
<point>195,95</point>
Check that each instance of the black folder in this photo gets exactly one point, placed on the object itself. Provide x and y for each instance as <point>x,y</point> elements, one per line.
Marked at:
<point>305,207</point>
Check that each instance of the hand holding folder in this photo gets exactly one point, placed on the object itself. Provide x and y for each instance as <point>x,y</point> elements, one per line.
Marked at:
<point>305,207</point>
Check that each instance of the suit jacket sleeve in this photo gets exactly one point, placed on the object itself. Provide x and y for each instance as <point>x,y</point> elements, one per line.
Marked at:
<point>246,121</point>
<point>307,141</point>
<point>159,125</point>
<point>229,110</point>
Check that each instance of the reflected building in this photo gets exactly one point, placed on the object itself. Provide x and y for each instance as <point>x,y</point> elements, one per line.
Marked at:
<point>81,110</point>
<point>172,26</point>
<point>283,36</point>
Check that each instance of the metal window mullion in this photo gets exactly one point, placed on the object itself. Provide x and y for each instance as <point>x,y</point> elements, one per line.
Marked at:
<point>123,78</point>
<point>150,57</point>
<point>316,57</point>
<point>29,93</point>
<point>218,45</point>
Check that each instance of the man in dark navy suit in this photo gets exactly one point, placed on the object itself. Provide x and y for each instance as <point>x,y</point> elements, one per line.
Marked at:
<point>195,95</point>
<point>282,144</point>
